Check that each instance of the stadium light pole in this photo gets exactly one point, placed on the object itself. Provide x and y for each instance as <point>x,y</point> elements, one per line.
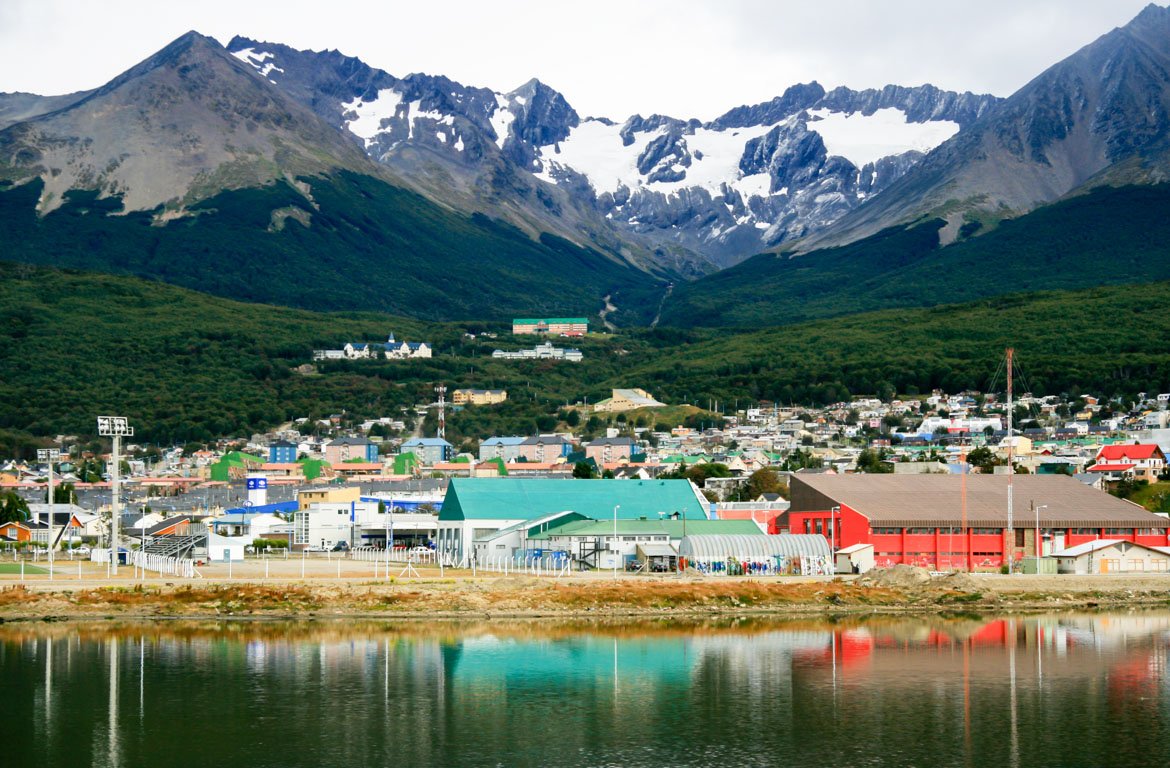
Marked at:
<point>49,455</point>
<point>616,507</point>
<point>833,539</point>
<point>115,427</point>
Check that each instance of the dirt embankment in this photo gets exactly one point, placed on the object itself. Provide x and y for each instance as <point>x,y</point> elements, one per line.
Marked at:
<point>897,590</point>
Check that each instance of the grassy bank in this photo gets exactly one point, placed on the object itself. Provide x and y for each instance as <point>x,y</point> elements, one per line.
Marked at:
<point>465,597</point>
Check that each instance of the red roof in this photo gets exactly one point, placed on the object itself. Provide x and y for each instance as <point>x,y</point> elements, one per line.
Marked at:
<point>1111,467</point>
<point>1133,452</point>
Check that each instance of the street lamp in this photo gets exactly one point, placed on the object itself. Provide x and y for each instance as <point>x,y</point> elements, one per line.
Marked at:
<point>616,507</point>
<point>49,455</point>
<point>115,427</point>
<point>833,539</point>
<point>1037,508</point>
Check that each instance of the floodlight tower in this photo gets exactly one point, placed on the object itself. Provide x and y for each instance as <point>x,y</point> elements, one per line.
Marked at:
<point>442,431</point>
<point>49,455</point>
<point>115,427</point>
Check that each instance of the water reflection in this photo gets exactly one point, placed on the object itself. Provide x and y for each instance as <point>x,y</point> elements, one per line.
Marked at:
<point>1046,690</point>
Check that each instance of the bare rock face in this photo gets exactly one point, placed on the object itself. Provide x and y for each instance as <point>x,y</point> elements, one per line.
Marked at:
<point>1100,116</point>
<point>185,124</point>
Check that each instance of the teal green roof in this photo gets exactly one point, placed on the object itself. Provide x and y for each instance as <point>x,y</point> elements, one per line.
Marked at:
<point>673,528</point>
<point>549,320</point>
<point>508,498</point>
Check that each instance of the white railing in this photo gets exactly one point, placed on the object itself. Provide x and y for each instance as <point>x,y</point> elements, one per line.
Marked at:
<point>554,564</point>
<point>171,566</point>
<point>395,555</point>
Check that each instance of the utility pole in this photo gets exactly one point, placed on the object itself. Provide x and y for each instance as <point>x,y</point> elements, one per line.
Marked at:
<point>115,427</point>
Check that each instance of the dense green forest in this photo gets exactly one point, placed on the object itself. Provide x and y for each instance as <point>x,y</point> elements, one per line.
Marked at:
<point>359,244</point>
<point>1109,236</point>
<point>188,366</point>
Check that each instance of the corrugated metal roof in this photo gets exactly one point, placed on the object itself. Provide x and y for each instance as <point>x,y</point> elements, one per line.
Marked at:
<point>937,501</point>
<point>509,498</point>
<point>673,528</point>
<point>720,547</point>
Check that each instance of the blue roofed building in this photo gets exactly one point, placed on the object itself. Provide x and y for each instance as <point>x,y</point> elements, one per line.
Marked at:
<point>429,450</point>
<point>506,448</point>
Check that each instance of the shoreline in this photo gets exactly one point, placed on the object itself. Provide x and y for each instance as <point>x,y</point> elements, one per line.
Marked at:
<point>532,598</point>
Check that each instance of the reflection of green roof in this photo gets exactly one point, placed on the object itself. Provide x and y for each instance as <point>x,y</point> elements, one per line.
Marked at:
<point>510,498</point>
<point>673,528</point>
<point>575,663</point>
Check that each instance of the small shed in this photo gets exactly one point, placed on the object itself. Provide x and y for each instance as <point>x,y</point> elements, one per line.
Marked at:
<point>657,557</point>
<point>1113,556</point>
<point>857,558</point>
<point>221,549</point>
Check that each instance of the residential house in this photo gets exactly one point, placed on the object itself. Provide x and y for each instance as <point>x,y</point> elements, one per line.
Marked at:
<point>282,452</point>
<point>506,448</point>
<point>479,396</point>
<point>609,449</point>
<point>429,450</point>
<point>545,448</point>
<point>1141,461</point>
<point>350,448</point>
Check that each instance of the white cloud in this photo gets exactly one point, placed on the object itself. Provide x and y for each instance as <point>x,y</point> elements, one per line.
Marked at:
<point>609,57</point>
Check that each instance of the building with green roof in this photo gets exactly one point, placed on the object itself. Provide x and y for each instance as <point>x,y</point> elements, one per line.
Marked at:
<point>476,507</point>
<point>573,326</point>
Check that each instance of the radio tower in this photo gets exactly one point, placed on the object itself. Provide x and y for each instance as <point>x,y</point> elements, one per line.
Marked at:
<point>442,432</point>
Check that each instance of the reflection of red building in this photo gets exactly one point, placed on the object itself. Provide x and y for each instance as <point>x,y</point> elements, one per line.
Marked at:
<point>948,522</point>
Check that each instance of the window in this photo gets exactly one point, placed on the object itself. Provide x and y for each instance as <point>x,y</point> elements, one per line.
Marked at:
<point>1084,531</point>
<point>950,531</point>
<point>1119,531</point>
<point>887,531</point>
<point>920,531</point>
<point>986,531</point>
<point>1019,537</point>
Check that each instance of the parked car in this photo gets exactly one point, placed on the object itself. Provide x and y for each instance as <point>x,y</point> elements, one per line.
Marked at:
<point>340,546</point>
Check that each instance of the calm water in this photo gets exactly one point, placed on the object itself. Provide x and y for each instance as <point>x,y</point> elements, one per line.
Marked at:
<point>1057,690</point>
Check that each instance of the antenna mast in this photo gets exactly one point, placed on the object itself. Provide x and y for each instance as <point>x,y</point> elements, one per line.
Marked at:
<point>1011,548</point>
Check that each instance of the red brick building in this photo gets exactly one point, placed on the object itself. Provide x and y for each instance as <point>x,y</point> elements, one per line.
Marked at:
<point>951,522</point>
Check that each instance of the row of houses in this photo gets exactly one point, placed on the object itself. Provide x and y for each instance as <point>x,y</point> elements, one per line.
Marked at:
<point>367,350</point>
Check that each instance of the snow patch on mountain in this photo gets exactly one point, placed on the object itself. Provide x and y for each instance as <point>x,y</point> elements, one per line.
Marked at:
<point>368,115</point>
<point>501,120</point>
<point>258,60</point>
<point>863,139</point>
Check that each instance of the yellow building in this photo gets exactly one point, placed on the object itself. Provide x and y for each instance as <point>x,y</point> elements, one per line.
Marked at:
<point>328,496</point>
<point>627,400</point>
<point>479,396</point>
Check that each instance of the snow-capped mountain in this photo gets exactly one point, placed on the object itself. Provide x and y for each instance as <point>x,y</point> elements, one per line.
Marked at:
<point>755,177</point>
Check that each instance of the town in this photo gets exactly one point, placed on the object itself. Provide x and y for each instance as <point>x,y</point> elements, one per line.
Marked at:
<point>926,481</point>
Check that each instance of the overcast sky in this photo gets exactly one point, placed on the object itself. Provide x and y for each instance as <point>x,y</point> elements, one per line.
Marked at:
<point>686,58</point>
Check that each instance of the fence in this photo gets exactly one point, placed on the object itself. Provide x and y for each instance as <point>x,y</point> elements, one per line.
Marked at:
<point>777,565</point>
<point>396,555</point>
<point>555,564</point>
<point>162,564</point>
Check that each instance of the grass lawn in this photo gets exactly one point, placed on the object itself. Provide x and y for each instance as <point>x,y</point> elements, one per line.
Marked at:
<point>29,568</point>
<point>1151,495</point>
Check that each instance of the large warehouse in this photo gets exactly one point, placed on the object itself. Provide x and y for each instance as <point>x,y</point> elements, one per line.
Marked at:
<point>952,522</point>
